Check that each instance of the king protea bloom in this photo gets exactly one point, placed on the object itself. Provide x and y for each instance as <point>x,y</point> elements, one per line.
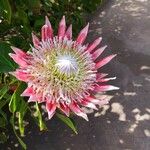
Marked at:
<point>62,72</point>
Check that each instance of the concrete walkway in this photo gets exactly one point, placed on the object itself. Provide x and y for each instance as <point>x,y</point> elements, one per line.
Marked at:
<point>124,124</point>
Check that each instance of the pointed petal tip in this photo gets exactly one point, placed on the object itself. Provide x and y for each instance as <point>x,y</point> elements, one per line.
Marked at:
<point>10,54</point>
<point>94,44</point>
<point>62,27</point>
<point>104,61</point>
<point>12,73</point>
<point>35,40</point>
<point>83,34</point>
<point>88,24</point>
<point>46,20</point>
<point>12,47</point>
<point>50,115</point>
<point>87,27</point>
<point>114,55</point>
<point>15,49</point>
<point>86,118</point>
<point>63,17</point>
<point>100,38</point>
<point>105,46</point>
<point>68,33</point>
<point>63,21</point>
<point>111,87</point>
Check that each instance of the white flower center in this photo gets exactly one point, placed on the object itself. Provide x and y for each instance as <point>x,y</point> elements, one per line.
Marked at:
<point>66,64</point>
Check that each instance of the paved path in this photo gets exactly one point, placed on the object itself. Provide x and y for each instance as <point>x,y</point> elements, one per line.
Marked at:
<point>124,124</point>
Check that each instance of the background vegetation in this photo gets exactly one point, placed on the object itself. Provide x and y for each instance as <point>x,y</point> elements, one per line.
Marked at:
<point>18,18</point>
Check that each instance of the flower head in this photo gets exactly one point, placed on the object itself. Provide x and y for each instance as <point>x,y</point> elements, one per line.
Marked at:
<point>61,72</point>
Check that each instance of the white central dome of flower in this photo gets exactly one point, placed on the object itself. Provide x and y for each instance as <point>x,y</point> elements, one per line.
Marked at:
<point>66,64</point>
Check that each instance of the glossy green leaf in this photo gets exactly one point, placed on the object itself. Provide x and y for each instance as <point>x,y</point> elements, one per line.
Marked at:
<point>12,121</point>
<point>21,113</point>
<point>67,121</point>
<point>6,63</point>
<point>16,99</point>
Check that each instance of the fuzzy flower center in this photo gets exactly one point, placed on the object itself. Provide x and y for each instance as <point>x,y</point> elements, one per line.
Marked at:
<point>66,64</point>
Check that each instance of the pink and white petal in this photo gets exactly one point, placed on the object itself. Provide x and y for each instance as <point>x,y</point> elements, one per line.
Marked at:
<point>93,100</point>
<point>68,33</point>
<point>106,79</point>
<point>98,52</point>
<point>32,98</point>
<point>82,35</point>
<point>28,91</point>
<point>51,108</point>
<point>77,110</point>
<point>64,108</point>
<point>62,27</point>
<point>35,41</point>
<point>103,88</point>
<point>19,60</point>
<point>101,75</point>
<point>39,97</point>
<point>92,46</point>
<point>104,61</point>
<point>98,101</point>
<point>19,52</point>
<point>88,104</point>
<point>49,29</point>
<point>44,31</point>
<point>20,75</point>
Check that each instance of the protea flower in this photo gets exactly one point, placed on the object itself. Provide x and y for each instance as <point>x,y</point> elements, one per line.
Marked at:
<point>62,72</point>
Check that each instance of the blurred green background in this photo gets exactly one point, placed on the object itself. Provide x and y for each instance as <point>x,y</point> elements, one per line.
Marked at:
<point>18,18</point>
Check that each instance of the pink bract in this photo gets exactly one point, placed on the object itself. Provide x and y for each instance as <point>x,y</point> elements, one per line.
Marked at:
<point>61,72</point>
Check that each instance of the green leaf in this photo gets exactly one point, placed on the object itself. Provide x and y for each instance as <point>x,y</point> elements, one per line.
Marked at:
<point>12,121</point>
<point>6,63</point>
<point>3,91</point>
<point>16,99</point>
<point>22,111</point>
<point>6,10</point>
<point>5,100</point>
<point>67,121</point>
<point>41,123</point>
<point>20,122</point>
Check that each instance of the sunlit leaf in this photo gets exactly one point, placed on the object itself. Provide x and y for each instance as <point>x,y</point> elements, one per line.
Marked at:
<point>16,99</point>
<point>21,113</point>
<point>41,123</point>
<point>67,121</point>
